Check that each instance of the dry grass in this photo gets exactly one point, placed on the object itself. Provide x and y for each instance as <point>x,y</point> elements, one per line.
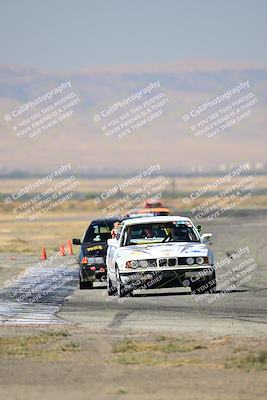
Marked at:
<point>253,360</point>
<point>30,237</point>
<point>45,346</point>
<point>176,352</point>
<point>159,351</point>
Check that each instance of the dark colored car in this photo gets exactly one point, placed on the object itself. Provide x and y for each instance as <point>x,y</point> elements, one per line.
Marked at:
<point>92,257</point>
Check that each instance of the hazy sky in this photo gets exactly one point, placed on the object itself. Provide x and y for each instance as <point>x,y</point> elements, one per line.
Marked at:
<point>80,33</point>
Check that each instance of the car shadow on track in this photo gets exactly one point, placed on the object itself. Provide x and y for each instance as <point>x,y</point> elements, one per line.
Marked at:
<point>99,287</point>
<point>165,294</point>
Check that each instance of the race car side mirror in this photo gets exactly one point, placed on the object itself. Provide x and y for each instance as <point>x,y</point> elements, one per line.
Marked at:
<point>199,227</point>
<point>76,241</point>
<point>207,238</point>
<point>117,236</point>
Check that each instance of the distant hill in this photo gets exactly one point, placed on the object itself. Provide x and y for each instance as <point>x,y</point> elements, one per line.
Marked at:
<point>167,140</point>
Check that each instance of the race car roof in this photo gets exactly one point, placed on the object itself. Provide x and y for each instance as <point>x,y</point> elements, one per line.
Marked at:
<point>153,209</point>
<point>147,220</point>
<point>111,219</point>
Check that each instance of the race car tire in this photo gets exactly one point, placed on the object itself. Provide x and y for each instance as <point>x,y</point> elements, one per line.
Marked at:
<point>122,291</point>
<point>212,284</point>
<point>120,288</point>
<point>112,290</point>
<point>207,286</point>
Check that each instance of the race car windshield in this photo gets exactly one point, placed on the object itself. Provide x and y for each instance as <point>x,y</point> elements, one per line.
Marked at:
<point>99,232</point>
<point>160,233</point>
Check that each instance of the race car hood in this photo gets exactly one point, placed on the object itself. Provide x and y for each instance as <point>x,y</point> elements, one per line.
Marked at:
<point>93,249</point>
<point>151,251</point>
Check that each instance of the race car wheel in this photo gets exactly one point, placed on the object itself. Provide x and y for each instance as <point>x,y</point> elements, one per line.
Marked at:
<point>111,289</point>
<point>197,287</point>
<point>207,286</point>
<point>212,284</point>
<point>85,285</point>
<point>122,291</point>
<point>120,287</point>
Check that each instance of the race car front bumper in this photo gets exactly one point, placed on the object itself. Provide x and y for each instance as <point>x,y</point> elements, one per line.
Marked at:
<point>179,277</point>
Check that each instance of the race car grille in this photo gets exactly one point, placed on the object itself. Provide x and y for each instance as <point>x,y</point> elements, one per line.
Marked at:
<point>162,262</point>
<point>167,262</point>
<point>152,263</point>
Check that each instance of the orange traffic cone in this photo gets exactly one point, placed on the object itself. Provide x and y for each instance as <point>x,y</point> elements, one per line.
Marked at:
<point>61,250</point>
<point>69,247</point>
<point>43,254</point>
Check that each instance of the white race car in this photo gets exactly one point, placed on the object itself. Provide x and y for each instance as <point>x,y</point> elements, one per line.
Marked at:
<point>165,251</point>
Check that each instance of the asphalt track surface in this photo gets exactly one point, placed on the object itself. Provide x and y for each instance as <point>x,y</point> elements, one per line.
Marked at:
<point>240,311</point>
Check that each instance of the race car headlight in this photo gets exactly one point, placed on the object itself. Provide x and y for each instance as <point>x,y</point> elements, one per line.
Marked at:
<point>133,264</point>
<point>190,261</point>
<point>202,260</point>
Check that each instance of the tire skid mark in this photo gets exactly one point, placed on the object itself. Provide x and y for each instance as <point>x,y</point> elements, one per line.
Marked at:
<point>119,318</point>
<point>37,296</point>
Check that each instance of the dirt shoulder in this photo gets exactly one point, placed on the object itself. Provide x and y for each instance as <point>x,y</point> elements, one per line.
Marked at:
<point>79,363</point>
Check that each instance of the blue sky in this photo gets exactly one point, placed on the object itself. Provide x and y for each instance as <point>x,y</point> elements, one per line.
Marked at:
<point>79,34</point>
